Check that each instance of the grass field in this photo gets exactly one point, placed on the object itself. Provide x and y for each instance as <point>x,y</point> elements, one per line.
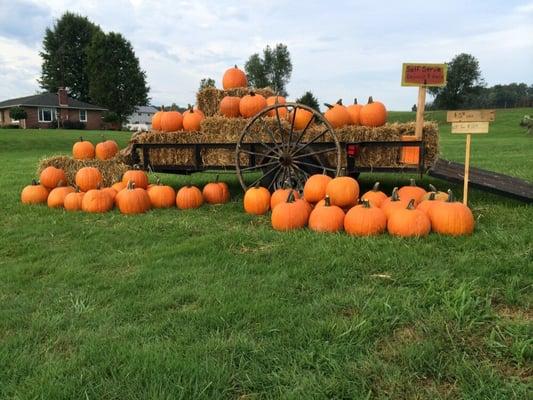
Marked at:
<point>213,304</point>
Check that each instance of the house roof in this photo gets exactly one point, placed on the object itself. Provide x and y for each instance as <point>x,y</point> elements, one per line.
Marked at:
<point>47,100</point>
<point>146,109</point>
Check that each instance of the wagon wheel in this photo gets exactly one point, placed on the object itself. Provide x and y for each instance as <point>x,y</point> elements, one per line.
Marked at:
<point>276,154</point>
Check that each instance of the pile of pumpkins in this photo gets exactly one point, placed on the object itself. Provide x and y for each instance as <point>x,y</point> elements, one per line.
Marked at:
<point>172,121</point>
<point>331,205</point>
<point>85,150</point>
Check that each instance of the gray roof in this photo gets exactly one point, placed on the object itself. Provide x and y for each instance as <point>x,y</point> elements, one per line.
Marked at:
<point>47,100</point>
<point>146,109</point>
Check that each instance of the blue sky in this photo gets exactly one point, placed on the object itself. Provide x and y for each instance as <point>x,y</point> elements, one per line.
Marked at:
<point>341,49</point>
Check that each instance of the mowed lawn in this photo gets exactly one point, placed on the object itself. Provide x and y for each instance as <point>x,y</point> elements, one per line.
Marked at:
<point>213,304</point>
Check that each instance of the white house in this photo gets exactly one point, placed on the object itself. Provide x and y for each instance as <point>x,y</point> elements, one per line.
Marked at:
<point>141,119</point>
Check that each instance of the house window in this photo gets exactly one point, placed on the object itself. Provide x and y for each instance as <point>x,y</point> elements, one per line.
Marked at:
<point>46,114</point>
<point>83,115</point>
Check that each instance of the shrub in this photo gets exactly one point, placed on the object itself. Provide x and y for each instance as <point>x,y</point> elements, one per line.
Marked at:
<point>17,113</point>
<point>73,125</point>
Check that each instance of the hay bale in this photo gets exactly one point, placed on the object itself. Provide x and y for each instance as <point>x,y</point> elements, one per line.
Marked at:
<point>112,170</point>
<point>208,99</point>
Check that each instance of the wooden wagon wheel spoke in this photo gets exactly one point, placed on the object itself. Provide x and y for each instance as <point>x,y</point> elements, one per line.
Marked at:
<point>299,149</point>
<point>314,165</point>
<point>258,154</point>
<point>296,174</point>
<point>302,133</point>
<point>279,150</point>
<point>263,176</point>
<point>302,171</point>
<point>289,139</point>
<point>259,166</point>
<point>314,153</point>
<point>273,181</point>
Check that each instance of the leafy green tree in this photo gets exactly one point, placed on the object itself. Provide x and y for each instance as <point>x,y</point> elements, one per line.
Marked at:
<point>310,100</point>
<point>273,69</point>
<point>464,82</point>
<point>206,82</point>
<point>64,55</point>
<point>116,79</point>
<point>17,113</point>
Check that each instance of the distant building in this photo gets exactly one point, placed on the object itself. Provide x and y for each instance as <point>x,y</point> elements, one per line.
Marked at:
<point>47,110</point>
<point>141,119</point>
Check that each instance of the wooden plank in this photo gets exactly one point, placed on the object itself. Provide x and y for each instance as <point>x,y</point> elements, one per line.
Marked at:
<point>471,116</point>
<point>470,127</point>
<point>420,112</point>
<point>417,74</point>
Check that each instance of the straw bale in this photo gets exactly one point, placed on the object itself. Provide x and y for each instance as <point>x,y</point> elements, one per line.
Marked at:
<point>208,99</point>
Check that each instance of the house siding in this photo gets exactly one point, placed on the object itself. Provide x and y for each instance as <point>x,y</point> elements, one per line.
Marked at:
<point>94,118</point>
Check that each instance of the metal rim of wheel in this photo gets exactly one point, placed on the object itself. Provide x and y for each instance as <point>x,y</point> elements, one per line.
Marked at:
<point>285,161</point>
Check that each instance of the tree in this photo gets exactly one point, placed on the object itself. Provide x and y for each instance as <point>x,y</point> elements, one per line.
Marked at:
<point>64,55</point>
<point>274,69</point>
<point>206,82</point>
<point>116,79</point>
<point>17,113</point>
<point>464,82</point>
<point>310,100</point>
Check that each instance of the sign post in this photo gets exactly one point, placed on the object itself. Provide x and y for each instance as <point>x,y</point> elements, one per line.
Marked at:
<point>469,122</point>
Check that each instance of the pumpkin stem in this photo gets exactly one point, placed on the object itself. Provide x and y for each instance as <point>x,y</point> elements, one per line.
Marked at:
<point>236,66</point>
<point>432,195</point>
<point>365,203</point>
<point>290,197</point>
<point>339,102</point>
<point>411,205</point>
<point>157,180</point>
<point>34,182</point>
<point>252,93</point>
<point>327,201</point>
<point>394,196</point>
<point>60,183</point>
<point>191,109</point>
<point>451,196</point>
<point>432,188</point>
<point>375,188</point>
<point>412,182</point>
<point>162,108</point>
<point>328,105</point>
<point>216,178</point>
<point>131,185</point>
<point>355,100</point>
<point>370,100</point>
<point>81,139</point>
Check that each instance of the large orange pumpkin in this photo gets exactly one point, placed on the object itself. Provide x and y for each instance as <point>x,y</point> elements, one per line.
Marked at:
<point>315,187</point>
<point>282,111</point>
<point>51,177</point>
<point>34,193</point>
<point>88,178</point>
<point>83,150</point>
<point>412,192</point>
<point>133,200</point>
<point>327,218</point>
<point>373,114</point>
<point>137,176</point>
<point>96,201</point>
<point>216,192</point>
<point>393,203</point>
<point>343,191</point>
<point>375,196</point>
<point>451,217</point>
<point>106,150</point>
<point>56,198</point>
<point>365,220</point>
<point>189,197</point>
<point>256,200</point>
<point>337,115</point>
<point>73,201</point>
<point>355,111</point>
<point>234,78</point>
<point>161,196</point>
<point>425,205</point>
<point>156,120</point>
<point>408,222</point>
<point>229,106</point>
<point>289,215</point>
<point>112,193</point>
<point>251,104</point>
<point>301,119</point>
<point>192,119</point>
<point>171,121</point>
<point>280,196</point>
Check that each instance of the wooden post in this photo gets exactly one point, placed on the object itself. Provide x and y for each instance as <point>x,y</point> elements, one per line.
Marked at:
<point>467,169</point>
<point>420,112</point>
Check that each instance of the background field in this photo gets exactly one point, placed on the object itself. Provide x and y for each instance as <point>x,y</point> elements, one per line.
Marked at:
<point>212,303</point>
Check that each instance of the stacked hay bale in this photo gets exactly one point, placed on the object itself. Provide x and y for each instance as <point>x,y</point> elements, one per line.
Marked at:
<point>208,99</point>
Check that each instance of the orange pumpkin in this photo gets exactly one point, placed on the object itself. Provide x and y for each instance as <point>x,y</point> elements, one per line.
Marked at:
<point>56,198</point>
<point>451,217</point>
<point>365,220</point>
<point>83,150</point>
<point>355,111</point>
<point>289,215</point>
<point>328,218</point>
<point>439,196</point>
<point>73,201</point>
<point>229,106</point>
<point>137,176</point>
<point>171,121</point>
<point>373,114</point>
<point>408,222</point>
<point>281,195</point>
<point>234,78</point>
<point>315,187</point>
<point>375,196</point>
<point>301,119</point>
<point>189,197</point>
<point>51,177</point>
<point>337,115</point>
<point>412,192</point>
<point>118,186</point>
<point>425,205</point>
<point>112,193</point>
<point>343,191</point>
<point>34,193</point>
<point>96,201</point>
<point>251,104</point>
<point>88,178</point>
<point>156,120</point>
<point>133,200</point>
<point>216,192</point>
<point>256,200</point>
<point>192,119</point>
<point>282,111</point>
<point>106,150</point>
<point>392,203</point>
<point>161,196</point>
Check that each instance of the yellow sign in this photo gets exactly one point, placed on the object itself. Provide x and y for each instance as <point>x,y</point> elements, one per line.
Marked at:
<point>414,74</point>
<point>470,127</point>
<point>471,116</point>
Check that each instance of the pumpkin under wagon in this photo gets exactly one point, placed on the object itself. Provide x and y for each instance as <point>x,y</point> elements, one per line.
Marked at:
<point>270,150</point>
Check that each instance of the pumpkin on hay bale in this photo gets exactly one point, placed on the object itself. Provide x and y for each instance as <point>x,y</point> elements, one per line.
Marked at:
<point>208,99</point>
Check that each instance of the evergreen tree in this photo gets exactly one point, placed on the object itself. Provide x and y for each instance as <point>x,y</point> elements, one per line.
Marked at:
<point>310,100</point>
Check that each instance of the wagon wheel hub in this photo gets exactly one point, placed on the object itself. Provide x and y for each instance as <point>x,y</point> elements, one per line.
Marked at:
<point>285,160</point>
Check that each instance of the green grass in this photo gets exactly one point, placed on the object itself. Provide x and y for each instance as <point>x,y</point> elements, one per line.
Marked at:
<point>214,304</point>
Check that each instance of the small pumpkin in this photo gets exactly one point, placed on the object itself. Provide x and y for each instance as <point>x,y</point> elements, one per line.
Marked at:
<point>256,200</point>
<point>425,205</point>
<point>192,119</point>
<point>412,192</point>
<point>118,186</point>
<point>355,111</point>
<point>337,115</point>
<point>392,203</point>
<point>375,196</point>
<point>156,120</point>
<point>439,196</point>
<point>327,218</point>
<point>289,215</point>
<point>106,150</point>
<point>365,219</point>
<point>315,187</point>
<point>133,200</point>
<point>161,196</point>
<point>83,150</point>
<point>88,178</point>
<point>451,217</point>
<point>34,193</point>
<point>171,121</point>
<point>302,118</point>
<point>56,198</point>
<point>343,191</point>
<point>282,111</point>
<point>189,197</point>
<point>280,196</point>
<point>216,192</point>
<point>251,104</point>
<point>51,177</point>
<point>229,106</point>
<point>112,193</point>
<point>373,114</point>
<point>73,201</point>
<point>234,78</point>
<point>137,176</point>
<point>96,201</point>
<point>409,222</point>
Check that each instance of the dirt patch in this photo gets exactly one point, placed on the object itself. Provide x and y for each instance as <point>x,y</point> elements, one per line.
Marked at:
<point>514,313</point>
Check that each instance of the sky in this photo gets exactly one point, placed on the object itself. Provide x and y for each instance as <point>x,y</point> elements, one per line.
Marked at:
<point>341,49</point>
